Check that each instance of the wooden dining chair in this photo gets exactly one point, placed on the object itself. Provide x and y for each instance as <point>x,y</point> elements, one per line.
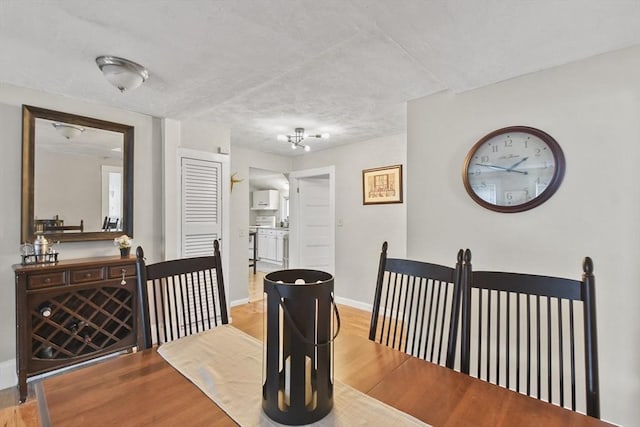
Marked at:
<point>416,307</point>
<point>110,223</point>
<point>523,332</point>
<point>180,297</point>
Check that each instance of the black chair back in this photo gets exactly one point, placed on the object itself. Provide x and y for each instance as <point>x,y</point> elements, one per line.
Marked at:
<point>416,307</point>
<point>180,297</point>
<point>110,223</point>
<point>521,331</point>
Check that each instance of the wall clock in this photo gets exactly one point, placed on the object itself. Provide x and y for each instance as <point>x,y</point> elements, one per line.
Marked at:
<point>513,169</point>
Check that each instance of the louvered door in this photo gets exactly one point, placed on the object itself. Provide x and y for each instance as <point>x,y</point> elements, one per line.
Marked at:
<point>201,197</point>
<point>200,215</point>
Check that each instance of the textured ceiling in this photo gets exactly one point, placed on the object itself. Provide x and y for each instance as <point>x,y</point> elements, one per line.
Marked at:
<point>264,67</point>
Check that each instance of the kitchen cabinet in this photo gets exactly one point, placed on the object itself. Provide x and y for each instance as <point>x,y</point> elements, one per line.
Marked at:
<point>265,199</point>
<point>262,244</point>
<point>271,245</point>
<point>279,248</point>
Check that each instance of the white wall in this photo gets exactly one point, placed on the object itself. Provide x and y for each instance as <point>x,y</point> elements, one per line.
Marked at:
<point>54,171</point>
<point>592,108</point>
<point>190,134</point>
<point>10,140</point>
<point>360,230</point>
<point>147,228</point>
<point>241,160</point>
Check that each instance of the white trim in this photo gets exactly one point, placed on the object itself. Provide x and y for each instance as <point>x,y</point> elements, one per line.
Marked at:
<point>223,159</point>
<point>355,304</point>
<point>105,171</point>
<point>8,376</point>
<point>305,173</point>
<point>294,208</point>
<point>237,302</point>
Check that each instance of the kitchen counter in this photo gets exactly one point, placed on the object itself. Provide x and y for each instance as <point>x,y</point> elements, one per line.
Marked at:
<point>263,227</point>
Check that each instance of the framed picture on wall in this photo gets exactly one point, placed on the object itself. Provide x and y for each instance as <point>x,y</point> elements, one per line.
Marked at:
<point>382,185</point>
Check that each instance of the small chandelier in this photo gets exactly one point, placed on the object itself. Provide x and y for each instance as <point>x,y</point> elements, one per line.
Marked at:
<point>296,139</point>
<point>122,73</point>
<point>67,130</point>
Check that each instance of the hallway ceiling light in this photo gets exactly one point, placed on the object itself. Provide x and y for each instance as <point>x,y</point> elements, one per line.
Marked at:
<point>67,130</point>
<point>122,73</point>
<point>296,139</point>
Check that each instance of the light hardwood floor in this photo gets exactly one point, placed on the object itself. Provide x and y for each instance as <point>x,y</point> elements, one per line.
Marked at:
<point>255,285</point>
<point>247,317</point>
<point>13,414</point>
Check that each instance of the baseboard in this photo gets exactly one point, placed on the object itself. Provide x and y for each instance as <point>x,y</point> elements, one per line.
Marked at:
<point>355,304</point>
<point>239,302</point>
<point>8,376</point>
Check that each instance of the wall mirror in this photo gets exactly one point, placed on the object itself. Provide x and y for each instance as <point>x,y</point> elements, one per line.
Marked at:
<point>77,177</point>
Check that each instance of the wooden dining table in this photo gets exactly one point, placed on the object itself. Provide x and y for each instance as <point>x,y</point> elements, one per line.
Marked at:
<point>141,388</point>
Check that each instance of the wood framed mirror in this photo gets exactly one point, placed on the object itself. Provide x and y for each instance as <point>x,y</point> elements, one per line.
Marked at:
<point>77,177</point>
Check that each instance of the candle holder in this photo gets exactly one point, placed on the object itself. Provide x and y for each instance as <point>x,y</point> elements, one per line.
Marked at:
<point>298,376</point>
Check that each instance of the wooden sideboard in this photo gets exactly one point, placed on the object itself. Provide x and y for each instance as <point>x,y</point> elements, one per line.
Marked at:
<point>73,311</point>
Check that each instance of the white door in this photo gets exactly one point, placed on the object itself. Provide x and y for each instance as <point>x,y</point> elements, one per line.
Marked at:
<point>312,240</point>
<point>201,206</point>
<point>202,197</point>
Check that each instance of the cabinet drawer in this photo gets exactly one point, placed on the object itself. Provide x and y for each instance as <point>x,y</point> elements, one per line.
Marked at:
<point>88,275</point>
<point>36,281</point>
<point>115,272</point>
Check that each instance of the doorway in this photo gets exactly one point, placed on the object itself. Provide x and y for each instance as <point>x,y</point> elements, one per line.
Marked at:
<point>268,226</point>
<point>312,224</point>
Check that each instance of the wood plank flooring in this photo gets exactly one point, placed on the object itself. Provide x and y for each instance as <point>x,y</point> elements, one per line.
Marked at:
<point>247,317</point>
<point>13,414</point>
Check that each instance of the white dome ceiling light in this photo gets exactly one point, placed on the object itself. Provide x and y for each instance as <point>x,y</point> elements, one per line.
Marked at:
<point>67,130</point>
<point>122,73</point>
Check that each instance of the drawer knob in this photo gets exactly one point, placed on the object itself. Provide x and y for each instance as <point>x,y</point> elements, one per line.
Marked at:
<point>87,275</point>
<point>47,280</point>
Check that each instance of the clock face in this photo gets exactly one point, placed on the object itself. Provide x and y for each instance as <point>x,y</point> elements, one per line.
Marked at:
<point>513,169</point>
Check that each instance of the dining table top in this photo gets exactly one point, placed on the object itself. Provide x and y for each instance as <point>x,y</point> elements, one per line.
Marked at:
<point>141,388</point>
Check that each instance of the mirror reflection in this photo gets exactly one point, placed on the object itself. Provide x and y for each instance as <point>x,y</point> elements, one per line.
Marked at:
<point>77,177</point>
<point>63,153</point>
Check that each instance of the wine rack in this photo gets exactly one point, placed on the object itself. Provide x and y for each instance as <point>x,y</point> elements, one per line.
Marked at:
<point>73,311</point>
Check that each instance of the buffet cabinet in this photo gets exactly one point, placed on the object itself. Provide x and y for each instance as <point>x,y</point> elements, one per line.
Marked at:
<point>73,311</point>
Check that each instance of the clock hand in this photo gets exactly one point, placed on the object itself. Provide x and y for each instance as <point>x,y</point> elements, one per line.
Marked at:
<point>511,169</point>
<point>501,168</point>
<point>493,166</point>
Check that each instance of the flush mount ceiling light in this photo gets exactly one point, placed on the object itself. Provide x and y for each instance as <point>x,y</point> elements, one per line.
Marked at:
<point>122,73</point>
<point>296,139</point>
<point>67,130</point>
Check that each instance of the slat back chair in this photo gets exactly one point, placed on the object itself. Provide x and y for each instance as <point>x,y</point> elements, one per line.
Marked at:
<point>416,307</point>
<point>110,223</point>
<point>523,332</point>
<point>180,297</point>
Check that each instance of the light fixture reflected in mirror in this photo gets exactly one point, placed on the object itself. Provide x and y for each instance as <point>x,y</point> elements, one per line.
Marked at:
<point>122,73</point>
<point>67,130</point>
<point>296,139</point>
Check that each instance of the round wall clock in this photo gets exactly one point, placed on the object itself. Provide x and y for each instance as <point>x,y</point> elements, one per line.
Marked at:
<point>513,169</point>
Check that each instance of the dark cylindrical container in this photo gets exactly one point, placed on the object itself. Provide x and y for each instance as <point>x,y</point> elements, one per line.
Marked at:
<point>298,376</point>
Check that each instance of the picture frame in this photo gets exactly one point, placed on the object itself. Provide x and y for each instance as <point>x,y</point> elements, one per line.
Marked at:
<point>382,185</point>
